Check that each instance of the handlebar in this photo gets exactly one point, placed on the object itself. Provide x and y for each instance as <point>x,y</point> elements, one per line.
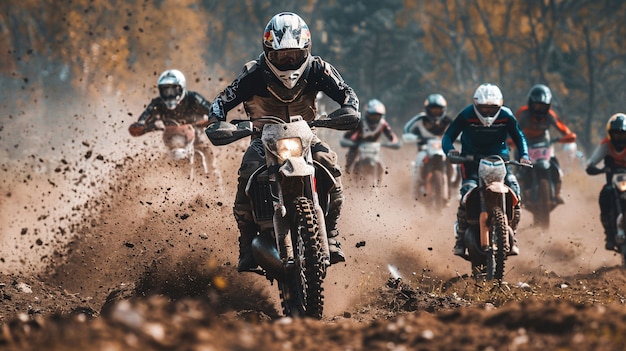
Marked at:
<point>460,158</point>
<point>593,170</point>
<point>223,132</point>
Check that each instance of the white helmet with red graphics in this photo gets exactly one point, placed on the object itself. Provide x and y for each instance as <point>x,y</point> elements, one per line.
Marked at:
<point>287,47</point>
<point>488,102</point>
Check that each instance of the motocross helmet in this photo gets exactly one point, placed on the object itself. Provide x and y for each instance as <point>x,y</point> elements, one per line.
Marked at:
<point>616,131</point>
<point>374,112</point>
<point>539,101</point>
<point>172,87</point>
<point>488,102</point>
<point>435,106</point>
<point>287,47</point>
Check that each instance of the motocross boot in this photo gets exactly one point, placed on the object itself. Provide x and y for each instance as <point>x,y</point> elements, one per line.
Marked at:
<point>459,233</point>
<point>557,193</point>
<point>247,232</point>
<point>336,200</point>
<point>517,215</point>
<point>609,238</point>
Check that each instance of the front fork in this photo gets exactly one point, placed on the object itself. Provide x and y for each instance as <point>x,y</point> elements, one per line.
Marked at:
<point>620,236</point>
<point>486,239</point>
<point>282,221</point>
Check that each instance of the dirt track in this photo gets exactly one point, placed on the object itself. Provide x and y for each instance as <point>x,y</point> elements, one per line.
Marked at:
<point>133,226</point>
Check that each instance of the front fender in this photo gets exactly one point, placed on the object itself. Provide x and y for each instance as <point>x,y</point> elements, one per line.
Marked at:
<point>498,187</point>
<point>296,167</point>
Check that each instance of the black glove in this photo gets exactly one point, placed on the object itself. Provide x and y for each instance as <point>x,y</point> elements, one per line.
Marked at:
<point>593,170</point>
<point>347,116</point>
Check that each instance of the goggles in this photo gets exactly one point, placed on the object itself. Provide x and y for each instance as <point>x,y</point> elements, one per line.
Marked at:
<point>619,136</point>
<point>488,110</point>
<point>170,91</point>
<point>288,59</point>
<point>541,109</point>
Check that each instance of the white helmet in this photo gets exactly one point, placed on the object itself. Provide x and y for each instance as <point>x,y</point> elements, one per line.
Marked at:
<point>172,87</point>
<point>287,47</point>
<point>488,103</point>
<point>375,112</point>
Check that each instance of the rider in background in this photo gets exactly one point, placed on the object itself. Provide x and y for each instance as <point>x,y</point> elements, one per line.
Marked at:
<point>174,102</point>
<point>371,128</point>
<point>431,123</point>
<point>535,119</point>
<point>283,82</point>
<point>612,150</point>
<point>485,125</point>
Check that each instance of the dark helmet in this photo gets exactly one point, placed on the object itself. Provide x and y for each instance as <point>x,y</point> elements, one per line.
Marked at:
<point>616,130</point>
<point>539,100</point>
<point>435,106</point>
<point>172,87</point>
<point>287,47</point>
<point>375,111</point>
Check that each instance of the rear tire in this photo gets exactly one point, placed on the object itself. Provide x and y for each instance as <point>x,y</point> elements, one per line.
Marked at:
<point>541,215</point>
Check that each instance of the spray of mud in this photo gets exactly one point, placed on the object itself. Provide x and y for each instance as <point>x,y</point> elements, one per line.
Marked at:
<point>387,226</point>
<point>114,211</point>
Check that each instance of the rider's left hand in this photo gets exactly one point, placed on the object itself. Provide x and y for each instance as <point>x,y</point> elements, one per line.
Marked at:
<point>525,160</point>
<point>159,125</point>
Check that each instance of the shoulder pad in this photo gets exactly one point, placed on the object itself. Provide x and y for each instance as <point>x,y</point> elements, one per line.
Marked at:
<point>250,66</point>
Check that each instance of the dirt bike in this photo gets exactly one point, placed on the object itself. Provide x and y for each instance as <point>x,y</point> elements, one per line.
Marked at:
<point>180,139</point>
<point>538,184</point>
<point>489,209</point>
<point>618,211</point>
<point>369,167</point>
<point>289,197</point>
<point>439,177</point>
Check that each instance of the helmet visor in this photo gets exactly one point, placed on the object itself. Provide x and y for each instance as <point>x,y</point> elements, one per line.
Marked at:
<point>487,110</point>
<point>541,109</point>
<point>170,91</point>
<point>374,117</point>
<point>434,111</point>
<point>288,59</point>
<point>618,136</point>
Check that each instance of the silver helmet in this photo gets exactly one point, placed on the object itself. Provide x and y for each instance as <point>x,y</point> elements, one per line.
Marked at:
<point>172,87</point>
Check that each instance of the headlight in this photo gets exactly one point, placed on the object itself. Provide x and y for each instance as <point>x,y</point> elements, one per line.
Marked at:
<point>619,181</point>
<point>290,147</point>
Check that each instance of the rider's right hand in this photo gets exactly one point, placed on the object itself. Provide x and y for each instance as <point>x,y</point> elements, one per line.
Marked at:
<point>159,125</point>
<point>454,153</point>
<point>593,170</point>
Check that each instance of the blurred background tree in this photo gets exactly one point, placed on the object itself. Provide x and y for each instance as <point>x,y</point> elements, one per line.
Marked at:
<point>59,54</point>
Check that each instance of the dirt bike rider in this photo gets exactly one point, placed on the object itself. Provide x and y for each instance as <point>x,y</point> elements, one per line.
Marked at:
<point>371,128</point>
<point>535,120</point>
<point>612,150</point>
<point>431,123</point>
<point>284,81</point>
<point>485,125</point>
<point>174,102</point>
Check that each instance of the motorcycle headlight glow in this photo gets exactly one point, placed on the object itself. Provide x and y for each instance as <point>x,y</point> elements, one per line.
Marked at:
<point>619,181</point>
<point>289,147</point>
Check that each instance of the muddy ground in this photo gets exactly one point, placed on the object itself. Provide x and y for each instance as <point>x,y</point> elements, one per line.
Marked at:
<point>105,251</point>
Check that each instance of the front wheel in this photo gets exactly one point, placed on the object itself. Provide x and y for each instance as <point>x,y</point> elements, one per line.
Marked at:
<point>436,189</point>
<point>302,291</point>
<point>499,237</point>
<point>541,215</point>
